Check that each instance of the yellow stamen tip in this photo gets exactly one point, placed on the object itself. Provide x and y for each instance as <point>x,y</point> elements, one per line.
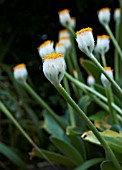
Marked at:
<point>107,68</point>
<point>84,30</point>
<point>103,9</point>
<point>64,38</point>
<point>53,56</point>
<point>45,43</point>
<point>64,11</point>
<point>59,44</point>
<point>19,66</point>
<point>103,36</point>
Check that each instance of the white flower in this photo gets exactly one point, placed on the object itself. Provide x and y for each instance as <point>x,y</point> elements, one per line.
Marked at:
<point>66,41</point>
<point>117,14</point>
<point>104,15</point>
<point>54,67</point>
<point>75,73</point>
<point>46,48</point>
<point>90,80</point>
<point>59,48</point>
<point>63,33</point>
<point>102,45</point>
<point>64,17</point>
<point>85,40</point>
<point>20,73</point>
<point>72,22</point>
<point>104,80</point>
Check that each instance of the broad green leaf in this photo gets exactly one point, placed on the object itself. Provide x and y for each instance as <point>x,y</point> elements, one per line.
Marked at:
<point>55,157</point>
<point>68,149</point>
<point>107,165</point>
<point>12,156</point>
<point>91,68</point>
<point>89,163</point>
<point>99,116</point>
<point>74,131</point>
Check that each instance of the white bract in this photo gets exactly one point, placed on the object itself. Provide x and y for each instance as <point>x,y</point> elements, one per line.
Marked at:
<point>90,80</point>
<point>54,67</point>
<point>85,40</point>
<point>103,44</point>
<point>106,83</point>
<point>64,17</point>
<point>104,15</point>
<point>46,48</point>
<point>20,73</point>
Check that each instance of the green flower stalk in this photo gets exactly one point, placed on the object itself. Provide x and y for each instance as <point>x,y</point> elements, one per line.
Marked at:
<point>85,41</point>
<point>52,60</point>
<point>21,79</point>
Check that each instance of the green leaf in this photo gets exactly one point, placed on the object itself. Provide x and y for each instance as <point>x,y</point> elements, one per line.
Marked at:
<point>107,165</point>
<point>74,131</point>
<point>12,156</point>
<point>91,68</point>
<point>99,116</point>
<point>89,163</point>
<point>68,149</point>
<point>55,157</point>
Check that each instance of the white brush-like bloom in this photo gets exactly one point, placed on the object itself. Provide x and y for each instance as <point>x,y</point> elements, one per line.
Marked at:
<point>117,14</point>
<point>59,48</point>
<point>64,17</point>
<point>104,15</point>
<point>46,48</point>
<point>104,80</point>
<point>90,81</point>
<point>63,33</point>
<point>20,73</point>
<point>85,40</point>
<point>72,23</point>
<point>66,41</point>
<point>54,67</point>
<point>103,44</point>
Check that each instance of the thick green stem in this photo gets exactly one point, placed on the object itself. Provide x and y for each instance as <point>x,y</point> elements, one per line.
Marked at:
<point>83,86</point>
<point>103,60</point>
<point>72,116</point>
<point>43,104</point>
<point>113,40</point>
<point>110,100</point>
<point>105,145</point>
<point>114,84</point>
<point>116,57</point>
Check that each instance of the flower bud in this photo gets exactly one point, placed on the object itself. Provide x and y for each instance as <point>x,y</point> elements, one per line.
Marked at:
<point>63,33</point>
<point>64,17</point>
<point>104,80</point>
<point>20,73</point>
<point>66,41</point>
<point>54,67</point>
<point>117,14</point>
<point>59,48</point>
<point>90,81</point>
<point>102,45</point>
<point>46,48</point>
<point>72,23</point>
<point>104,15</point>
<point>75,73</point>
<point>85,40</point>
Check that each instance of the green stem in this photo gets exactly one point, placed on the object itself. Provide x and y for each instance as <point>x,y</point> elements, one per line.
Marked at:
<point>72,117</point>
<point>105,145</point>
<point>113,39</point>
<point>103,60</point>
<point>83,86</point>
<point>110,100</point>
<point>43,104</point>
<point>115,85</point>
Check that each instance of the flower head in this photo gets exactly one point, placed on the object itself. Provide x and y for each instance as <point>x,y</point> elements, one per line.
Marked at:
<point>46,48</point>
<point>85,40</point>
<point>60,48</point>
<point>63,33</point>
<point>102,45</point>
<point>72,22</point>
<point>54,67</point>
<point>20,73</point>
<point>66,41</point>
<point>117,14</point>
<point>90,80</point>
<point>75,74</point>
<point>64,17</point>
<point>104,80</point>
<point>104,15</point>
